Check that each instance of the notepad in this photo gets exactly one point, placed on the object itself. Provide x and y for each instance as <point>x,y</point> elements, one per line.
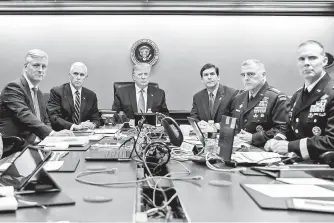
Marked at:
<point>305,181</point>
<point>72,141</point>
<point>105,131</point>
<point>291,190</point>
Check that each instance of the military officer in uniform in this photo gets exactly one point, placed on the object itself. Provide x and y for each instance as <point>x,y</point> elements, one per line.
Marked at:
<point>262,110</point>
<point>312,112</point>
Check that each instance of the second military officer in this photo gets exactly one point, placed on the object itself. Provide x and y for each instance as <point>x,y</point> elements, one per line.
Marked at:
<point>262,110</point>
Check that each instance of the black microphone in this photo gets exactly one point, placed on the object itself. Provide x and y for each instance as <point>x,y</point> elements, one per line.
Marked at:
<point>142,120</point>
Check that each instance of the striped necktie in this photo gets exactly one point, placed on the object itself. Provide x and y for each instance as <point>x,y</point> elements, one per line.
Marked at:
<point>141,102</point>
<point>211,103</point>
<point>36,105</point>
<point>76,116</point>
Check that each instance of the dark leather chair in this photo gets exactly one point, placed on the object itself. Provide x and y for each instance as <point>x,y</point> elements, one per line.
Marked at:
<point>46,97</point>
<point>129,83</point>
<point>327,158</point>
<point>12,144</point>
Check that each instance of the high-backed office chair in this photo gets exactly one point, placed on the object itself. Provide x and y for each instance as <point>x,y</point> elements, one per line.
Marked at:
<point>12,144</point>
<point>327,158</point>
<point>46,97</point>
<point>129,83</point>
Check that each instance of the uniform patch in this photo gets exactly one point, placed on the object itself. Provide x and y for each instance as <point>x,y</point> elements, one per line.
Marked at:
<point>275,90</point>
<point>324,96</point>
<point>316,130</point>
<point>259,128</point>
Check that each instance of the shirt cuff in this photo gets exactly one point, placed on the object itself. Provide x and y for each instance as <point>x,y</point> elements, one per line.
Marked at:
<point>280,136</point>
<point>72,127</point>
<point>303,149</point>
<point>51,133</point>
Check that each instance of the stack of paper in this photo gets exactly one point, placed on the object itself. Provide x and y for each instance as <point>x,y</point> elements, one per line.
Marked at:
<point>52,141</point>
<point>8,201</point>
<point>105,131</point>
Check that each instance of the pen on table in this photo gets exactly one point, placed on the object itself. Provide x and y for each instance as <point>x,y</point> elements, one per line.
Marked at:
<point>63,155</point>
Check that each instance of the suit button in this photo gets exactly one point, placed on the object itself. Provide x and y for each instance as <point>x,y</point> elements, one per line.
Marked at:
<point>315,120</point>
<point>297,119</point>
<point>296,131</point>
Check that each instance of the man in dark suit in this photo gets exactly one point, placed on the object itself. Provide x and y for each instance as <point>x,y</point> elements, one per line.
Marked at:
<point>262,110</point>
<point>72,106</point>
<point>214,100</point>
<point>22,112</point>
<point>140,97</point>
<point>312,112</point>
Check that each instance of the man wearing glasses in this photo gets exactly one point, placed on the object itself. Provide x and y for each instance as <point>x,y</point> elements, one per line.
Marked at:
<point>262,110</point>
<point>140,97</point>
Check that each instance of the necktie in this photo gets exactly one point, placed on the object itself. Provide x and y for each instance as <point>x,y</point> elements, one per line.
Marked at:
<point>305,94</point>
<point>141,102</point>
<point>211,103</point>
<point>76,116</point>
<point>36,106</point>
<point>251,97</point>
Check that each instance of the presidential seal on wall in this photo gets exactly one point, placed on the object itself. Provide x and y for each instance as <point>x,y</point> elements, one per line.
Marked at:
<point>144,51</point>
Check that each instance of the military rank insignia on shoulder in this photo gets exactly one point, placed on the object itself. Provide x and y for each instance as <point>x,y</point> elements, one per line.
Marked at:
<point>274,90</point>
<point>282,97</point>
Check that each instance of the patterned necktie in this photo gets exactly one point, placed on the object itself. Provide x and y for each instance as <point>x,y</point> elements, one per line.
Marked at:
<point>141,102</point>
<point>211,103</point>
<point>76,116</point>
<point>36,106</point>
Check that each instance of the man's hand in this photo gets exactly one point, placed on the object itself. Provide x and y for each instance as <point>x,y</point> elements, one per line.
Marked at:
<point>217,125</point>
<point>87,125</point>
<point>78,127</point>
<point>202,124</point>
<point>245,136</point>
<point>277,146</point>
<point>64,132</point>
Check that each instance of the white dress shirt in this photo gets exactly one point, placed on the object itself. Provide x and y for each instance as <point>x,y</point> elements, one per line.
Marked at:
<point>311,86</point>
<point>37,139</point>
<point>214,92</point>
<point>74,95</point>
<point>74,98</point>
<point>255,93</point>
<point>30,86</point>
<point>138,89</point>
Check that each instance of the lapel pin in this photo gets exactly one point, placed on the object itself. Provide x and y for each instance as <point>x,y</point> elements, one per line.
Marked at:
<point>220,98</point>
<point>318,90</point>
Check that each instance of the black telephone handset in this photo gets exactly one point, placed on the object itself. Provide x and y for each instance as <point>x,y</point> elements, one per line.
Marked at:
<point>173,131</point>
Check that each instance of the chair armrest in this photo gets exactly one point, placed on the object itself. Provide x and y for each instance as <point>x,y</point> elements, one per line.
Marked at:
<point>9,140</point>
<point>327,158</point>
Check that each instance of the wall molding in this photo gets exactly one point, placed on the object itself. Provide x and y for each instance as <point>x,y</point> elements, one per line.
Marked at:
<point>323,8</point>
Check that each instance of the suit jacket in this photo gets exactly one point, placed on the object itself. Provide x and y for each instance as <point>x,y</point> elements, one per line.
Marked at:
<point>265,116</point>
<point>17,112</point>
<point>201,110</point>
<point>312,120</point>
<point>60,107</point>
<point>125,100</point>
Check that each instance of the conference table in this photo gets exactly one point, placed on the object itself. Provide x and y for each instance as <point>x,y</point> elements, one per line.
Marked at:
<point>201,201</point>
